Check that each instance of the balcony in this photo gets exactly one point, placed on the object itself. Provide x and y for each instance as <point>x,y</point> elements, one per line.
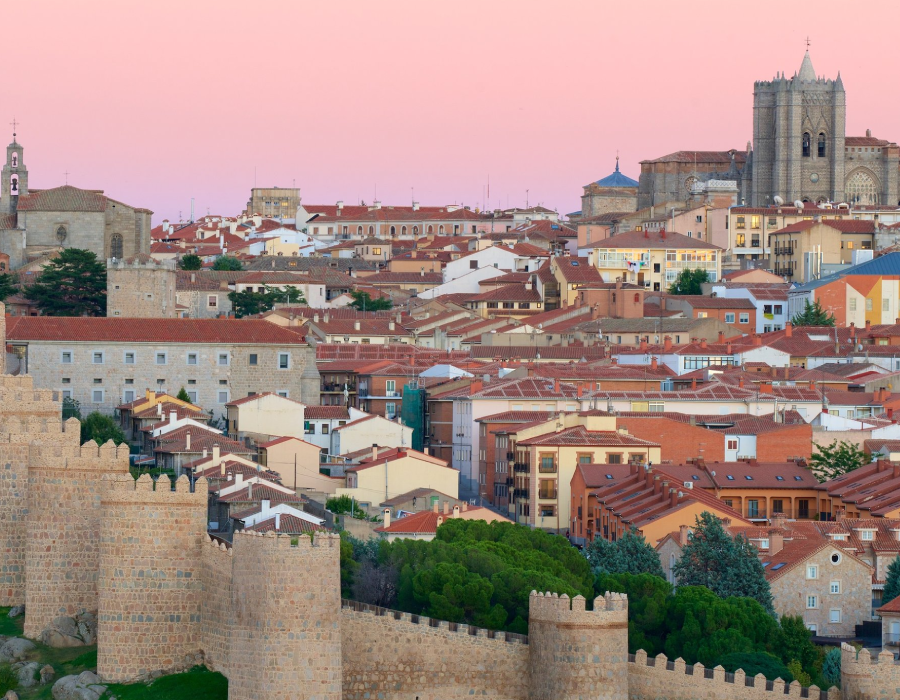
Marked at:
<point>510,456</point>
<point>783,250</point>
<point>784,271</point>
<point>337,387</point>
<point>521,468</point>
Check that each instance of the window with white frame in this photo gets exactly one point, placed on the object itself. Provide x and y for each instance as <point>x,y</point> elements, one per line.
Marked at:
<point>192,396</point>
<point>284,360</point>
<point>812,602</point>
<point>67,393</point>
<point>812,571</point>
<point>732,443</point>
<point>834,615</point>
<point>161,358</point>
<point>222,359</point>
<point>283,393</point>
<point>97,357</point>
<point>212,301</point>
<point>97,395</point>
<point>834,588</point>
<point>129,357</point>
<point>390,409</point>
<point>729,317</point>
<point>65,357</point>
<point>223,396</point>
<point>192,358</point>
<point>128,395</point>
<point>867,535</point>
<point>390,386</point>
<point>745,318</point>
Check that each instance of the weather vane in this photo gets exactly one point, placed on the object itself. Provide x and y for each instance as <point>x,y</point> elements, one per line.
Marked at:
<point>807,43</point>
<point>14,124</point>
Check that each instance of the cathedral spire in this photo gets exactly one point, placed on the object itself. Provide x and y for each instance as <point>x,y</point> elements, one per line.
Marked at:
<point>806,69</point>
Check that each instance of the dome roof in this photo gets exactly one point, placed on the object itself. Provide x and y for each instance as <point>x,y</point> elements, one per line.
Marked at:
<point>617,179</point>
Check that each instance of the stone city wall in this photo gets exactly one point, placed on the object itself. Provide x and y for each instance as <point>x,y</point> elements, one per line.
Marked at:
<point>864,677</point>
<point>388,655</point>
<point>217,573</point>
<point>286,636</point>
<point>150,585</point>
<point>660,679</point>
<point>62,557</point>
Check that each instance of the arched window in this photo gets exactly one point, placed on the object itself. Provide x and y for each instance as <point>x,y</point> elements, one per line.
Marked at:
<point>371,230</point>
<point>861,188</point>
<point>415,230</point>
<point>430,228</point>
<point>821,145</point>
<point>403,230</point>
<point>393,230</point>
<point>806,145</point>
<point>441,228</point>
<point>359,230</point>
<point>115,246</point>
<point>61,234</point>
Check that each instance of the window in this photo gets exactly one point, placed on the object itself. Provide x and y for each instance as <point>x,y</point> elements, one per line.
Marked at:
<point>115,246</point>
<point>752,508</point>
<point>821,152</point>
<point>773,222</point>
<point>324,428</point>
<point>377,251</point>
<point>97,358</point>
<point>282,393</point>
<point>754,221</point>
<point>547,464</point>
<point>66,380</point>
<point>811,602</point>
<point>732,444</point>
<point>161,358</point>
<point>390,410</point>
<point>223,359</point>
<point>254,359</point>
<point>128,396</point>
<point>806,145</point>
<point>812,571</point>
<point>547,511</point>
<point>779,309</point>
<point>614,459</point>
<point>212,301</point>
<point>729,318</point>
<point>656,407</point>
<point>67,393</point>
<point>868,304</point>
<point>66,357</point>
<point>836,557</point>
<point>885,304</point>
<point>192,396</point>
<point>308,428</point>
<point>389,386</point>
<point>547,488</point>
<point>98,381</point>
<point>129,358</point>
<point>97,396</point>
<point>223,396</point>
<point>834,615</point>
<point>867,535</point>
<point>745,318</point>
<point>740,224</point>
<point>284,360</point>
<point>835,588</point>
<point>587,458</point>
<point>740,240</point>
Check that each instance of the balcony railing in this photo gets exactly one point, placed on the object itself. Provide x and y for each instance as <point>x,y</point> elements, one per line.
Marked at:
<point>337,386</point>
<point>520,468</point>
<point>784,271</point>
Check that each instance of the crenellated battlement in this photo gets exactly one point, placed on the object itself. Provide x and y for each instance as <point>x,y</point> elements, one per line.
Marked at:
<point>551,607</point>
<point>124,489</point>
<point>649,675</point>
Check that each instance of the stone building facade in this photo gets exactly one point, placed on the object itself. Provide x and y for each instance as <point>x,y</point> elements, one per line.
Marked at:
<point>614,193</point>
<point>140,287</point>
<point>104,362</point>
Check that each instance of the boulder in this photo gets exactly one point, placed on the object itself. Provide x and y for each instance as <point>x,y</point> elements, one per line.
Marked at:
<point>25,672</point>
<point>11,695</point>
<point>77,631</point>
<point>14,649</point>
<point>47,674</point>
<point>17,611</point>
<point>84,686</point>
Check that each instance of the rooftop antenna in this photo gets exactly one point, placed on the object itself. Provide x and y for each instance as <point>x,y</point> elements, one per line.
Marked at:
<point>412,192</point>
<point>807,43</point>
<point>67,173</point>
<point>526,199</point>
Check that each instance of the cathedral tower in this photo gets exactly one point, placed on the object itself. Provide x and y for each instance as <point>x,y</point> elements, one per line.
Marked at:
<point>14,178</point>
<point>798,138</point>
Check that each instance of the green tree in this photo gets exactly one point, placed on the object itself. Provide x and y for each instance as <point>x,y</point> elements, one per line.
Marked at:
<point>830,461</point>
<point>190,262</point>
<point>345,505</point>
<point>71,284</point>
<point>799,674</point>
<point>756,662</point>
<point>892,583</point>
<point>248,302</point>
<point>228,263</point>
<point>689,281</point>
<point>70,408</point>
<point>183,395</point>
<point>831,667</point>
<point>726,565</point>
<point>362,301</point>
<point>101,428</point>
<point>8,285</point>
<point>813,315</point>
<point>630,554</point>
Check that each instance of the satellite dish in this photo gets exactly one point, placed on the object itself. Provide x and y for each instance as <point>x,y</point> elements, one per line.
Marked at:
<point>778,200</point>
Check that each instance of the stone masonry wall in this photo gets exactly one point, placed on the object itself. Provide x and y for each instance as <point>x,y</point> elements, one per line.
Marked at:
<point>217,569</point>
<point>386,656</point>
<point>575,653</point>
<point>63,556</point>
<point>286,637</point>
<point>150,584</point>
<point>660,679</point>
<point>864,677</point>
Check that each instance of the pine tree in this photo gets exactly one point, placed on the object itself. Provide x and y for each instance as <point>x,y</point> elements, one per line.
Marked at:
<point>228,263</point>
<point>71,284</point>
<point>813,315</point>
<point>630,554</point>
<point>726,565</point>
<point>689,282</point>
<point>363,301</point>
<point>183,395</point>
<point>8,286</point>
<point>190,262</point>
<point>831,667</point>
<point>892,583</point>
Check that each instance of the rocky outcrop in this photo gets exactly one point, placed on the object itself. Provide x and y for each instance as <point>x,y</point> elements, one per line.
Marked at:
<point>14,649</point>
<point>47,674</point>
<point>16,611</point>
<point>25,673</point>
<point>84,686</point>
<point>77,631</point>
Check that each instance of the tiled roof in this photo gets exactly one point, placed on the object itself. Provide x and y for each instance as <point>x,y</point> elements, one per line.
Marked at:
<point>254,397</point>
<point>398,453</point>
<point>654,240</point>
<point>326,413</point>
<point>577,271</point>
<point>176,441</point>
<point>509,292</point>
<point>579,435</point>
<point>149,330</point>
<point>704,157</point>
<point>704,302</point>
<point>427,521</point>
<point>63,199</point>
<point>517,417</point>
<point>842,225</point>
<point>260,492</point>
<point>864,141</point>
<point>287,525</point>
<point>232,467</point>
<point>429,278</point>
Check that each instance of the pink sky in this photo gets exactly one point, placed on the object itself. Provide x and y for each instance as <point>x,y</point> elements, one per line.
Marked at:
<point>157,102</point>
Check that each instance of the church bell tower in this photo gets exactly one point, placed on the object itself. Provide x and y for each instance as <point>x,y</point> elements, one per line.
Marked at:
<point>14,178</point>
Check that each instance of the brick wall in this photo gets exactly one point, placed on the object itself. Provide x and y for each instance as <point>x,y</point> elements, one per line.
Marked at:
<point>286,637</point>
<point>387,656</point>
<point>784,444</point>
<point>62,556</point>
<point>150,584</point>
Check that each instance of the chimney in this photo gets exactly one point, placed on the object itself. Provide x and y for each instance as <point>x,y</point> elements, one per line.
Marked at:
<point>446,507</point>
<point>374,451</point>
<point>579,390</point>
<point>216,457</point>
<point>435,507</point>
<point>387,518</point>
<point>694,384</point>
<point>193,277</point>
<point>667,343</point>
<point>653,363</point>
<point>673,497</point>
<point>264,505</point>
<point>356,325</point>
<point>595,312</point>
<point>465,506</point>
<point>555,386</point>
<point>173,417</point>
<point>643,346</point>
<point>757,340</point>
<point>741,383</point>
<point>683,532</point>
<point>703,343</point>
<point>204,453</point>
<point>765,388</point>
<point>788,329</point>
<point>868,324</point>
<point>159,411</point>
<point>721,336</point>
<point>277,521</point>
<point>456,511</point>
<point>776,543</point>
<point>187,442</point>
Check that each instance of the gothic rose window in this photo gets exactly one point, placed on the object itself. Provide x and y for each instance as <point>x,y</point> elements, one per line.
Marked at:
<point>861,188</point>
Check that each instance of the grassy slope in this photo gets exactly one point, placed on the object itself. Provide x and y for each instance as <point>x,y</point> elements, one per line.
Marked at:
<point>198,684</point>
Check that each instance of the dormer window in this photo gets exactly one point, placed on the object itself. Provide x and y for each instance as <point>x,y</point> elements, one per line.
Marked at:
<point>867,535</point>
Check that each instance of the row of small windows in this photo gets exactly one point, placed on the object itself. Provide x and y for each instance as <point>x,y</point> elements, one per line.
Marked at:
<point>129,357</point>
<point>807,145</point>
